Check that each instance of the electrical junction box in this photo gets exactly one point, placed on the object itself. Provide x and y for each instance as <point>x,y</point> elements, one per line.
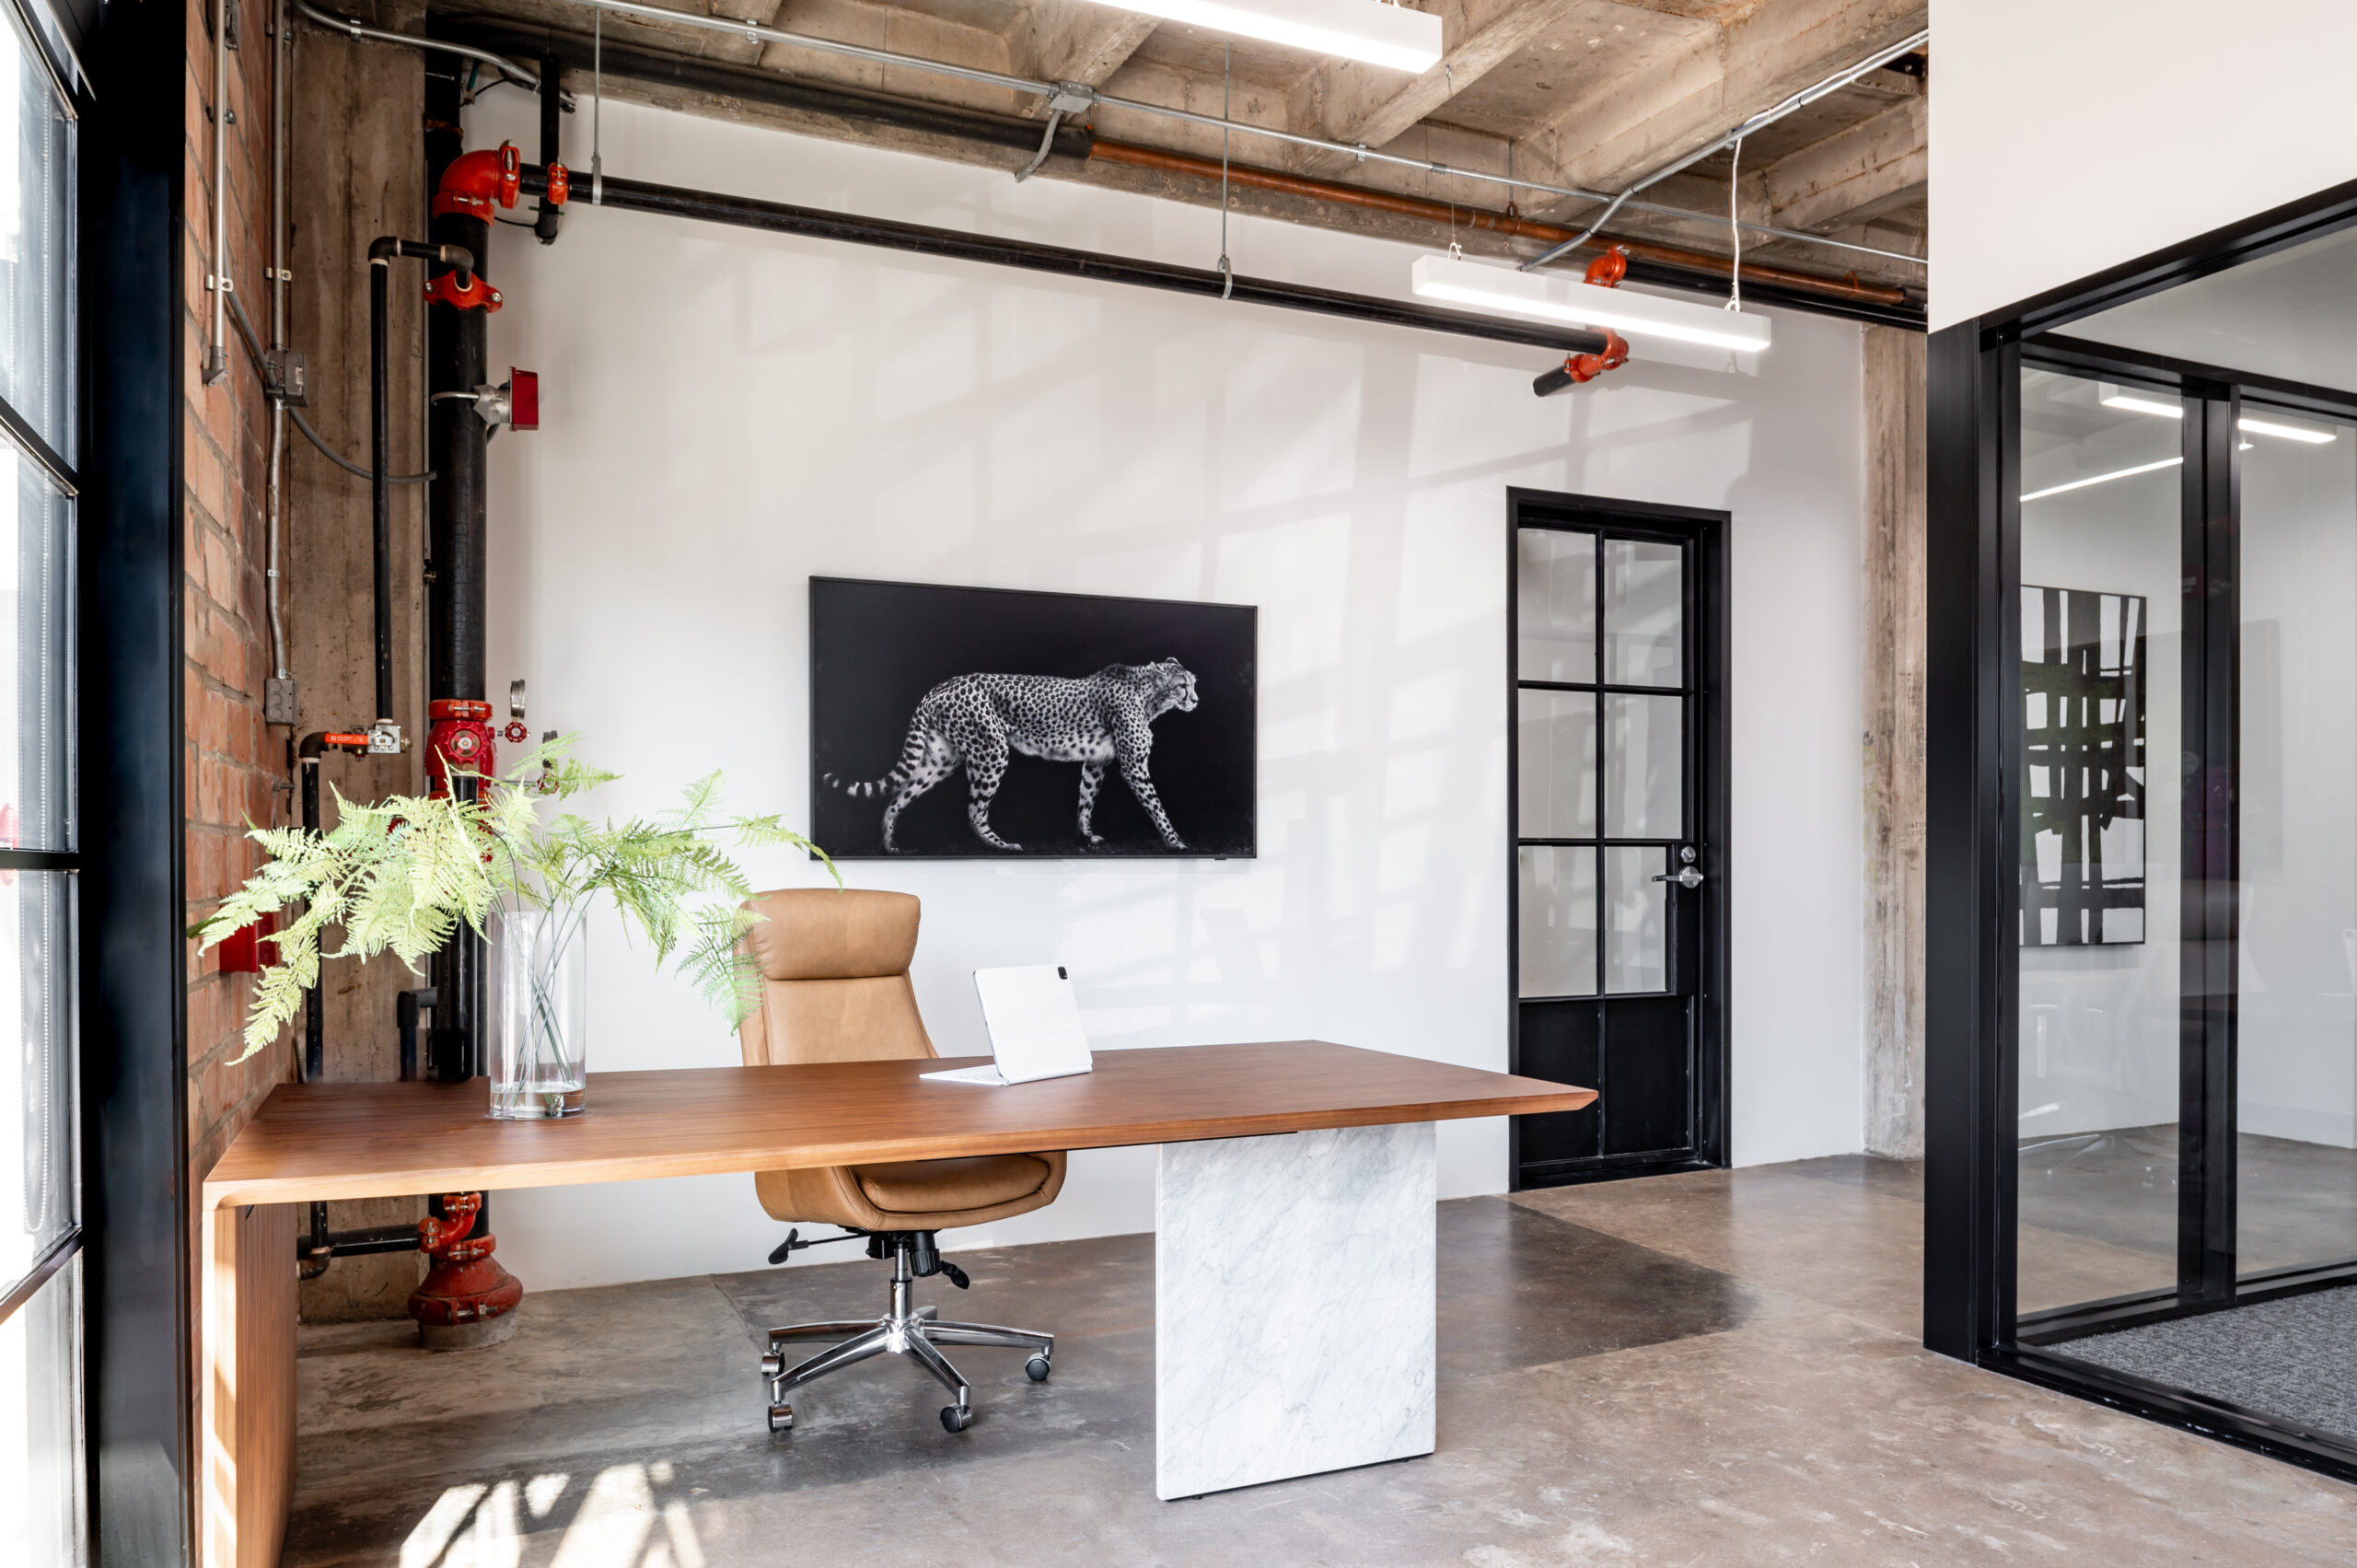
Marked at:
<point>292,373</point>
<point>279,701</point>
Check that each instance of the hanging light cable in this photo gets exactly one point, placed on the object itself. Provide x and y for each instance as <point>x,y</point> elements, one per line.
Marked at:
<point>1735,225</point>
<point>1227,85</point>
<point>596,109</point>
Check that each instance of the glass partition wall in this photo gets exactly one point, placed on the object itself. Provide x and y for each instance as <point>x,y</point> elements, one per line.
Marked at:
<point>2142,1182</point>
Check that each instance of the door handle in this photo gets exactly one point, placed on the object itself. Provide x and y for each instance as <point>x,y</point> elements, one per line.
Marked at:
<point>1685,877</point>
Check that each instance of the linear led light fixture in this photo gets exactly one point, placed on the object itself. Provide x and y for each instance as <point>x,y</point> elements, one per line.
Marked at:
<point>1502,291</point>
<point>2135,402</point>
<point>2104,478</point>
<point>1355,30</point>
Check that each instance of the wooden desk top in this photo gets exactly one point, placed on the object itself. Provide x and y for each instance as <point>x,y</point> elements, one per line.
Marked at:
<point>322,1141</point>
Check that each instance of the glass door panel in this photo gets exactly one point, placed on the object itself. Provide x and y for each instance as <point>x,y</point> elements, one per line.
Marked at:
<point>2297,1023</point>
<point>2102,571</point>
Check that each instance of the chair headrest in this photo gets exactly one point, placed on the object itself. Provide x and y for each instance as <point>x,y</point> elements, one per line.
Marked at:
<point>833,933</point>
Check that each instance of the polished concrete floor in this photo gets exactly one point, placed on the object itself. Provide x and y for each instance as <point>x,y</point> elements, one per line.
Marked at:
<point>1719,1368</point>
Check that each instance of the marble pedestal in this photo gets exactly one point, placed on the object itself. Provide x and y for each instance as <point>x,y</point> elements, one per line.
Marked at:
<point>1294,1304</point>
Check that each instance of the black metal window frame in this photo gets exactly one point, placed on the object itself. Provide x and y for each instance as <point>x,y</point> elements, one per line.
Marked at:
<point>61,476</point>
<point>1702,534</point>
<point>1974,751</point>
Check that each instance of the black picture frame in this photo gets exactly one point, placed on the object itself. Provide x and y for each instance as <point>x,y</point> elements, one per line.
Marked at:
<point>879,650</point>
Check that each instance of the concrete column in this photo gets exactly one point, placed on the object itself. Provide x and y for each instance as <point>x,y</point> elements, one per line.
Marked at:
<point>356,171</point>
<point>1894,741</point>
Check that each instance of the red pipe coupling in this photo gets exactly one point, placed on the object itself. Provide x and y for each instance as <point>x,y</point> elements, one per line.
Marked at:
<point>474,181</point>
<point>464,1284</point>
<point>474,294</point>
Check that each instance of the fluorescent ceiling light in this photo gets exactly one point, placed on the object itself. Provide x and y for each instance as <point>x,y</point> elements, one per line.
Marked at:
<point>2103,478</point>
<point>1355,30</point>
<point>2138,402</point>
<point>1505,292</point>
<point>2313,436</point>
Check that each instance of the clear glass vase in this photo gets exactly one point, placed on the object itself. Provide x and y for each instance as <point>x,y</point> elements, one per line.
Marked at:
<point>538,1011</point>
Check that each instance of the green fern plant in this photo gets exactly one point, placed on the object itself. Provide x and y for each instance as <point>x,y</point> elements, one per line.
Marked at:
<point>401,875</point>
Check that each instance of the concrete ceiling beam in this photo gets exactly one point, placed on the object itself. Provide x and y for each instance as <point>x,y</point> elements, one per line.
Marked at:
<point>1704,80</point>
<point>1076,41</point>
<point>1853,175</point>
<point>1348,100</point>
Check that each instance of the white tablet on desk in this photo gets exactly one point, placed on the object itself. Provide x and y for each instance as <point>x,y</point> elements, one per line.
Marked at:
<point>1034,1023</point>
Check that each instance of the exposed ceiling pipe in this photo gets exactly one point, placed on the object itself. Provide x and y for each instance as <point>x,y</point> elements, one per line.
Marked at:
<point>1766,117</point>
<point>778,217</point>
<point>1480,221</point>
<point>1662,264</point>
<point>1358,151</point>
<point>354,30</point>
<point>749,84</point>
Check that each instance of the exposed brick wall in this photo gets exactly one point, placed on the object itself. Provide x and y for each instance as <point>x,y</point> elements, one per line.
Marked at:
<point>236,768</point>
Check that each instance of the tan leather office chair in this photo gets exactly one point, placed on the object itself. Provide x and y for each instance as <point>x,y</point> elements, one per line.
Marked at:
<point>834,967</point>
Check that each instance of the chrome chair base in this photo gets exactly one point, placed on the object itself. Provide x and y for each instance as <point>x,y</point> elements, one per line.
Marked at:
<point>914,1332</point>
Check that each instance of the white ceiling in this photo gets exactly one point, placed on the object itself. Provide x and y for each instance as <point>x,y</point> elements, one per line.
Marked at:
<point>2291,315</point>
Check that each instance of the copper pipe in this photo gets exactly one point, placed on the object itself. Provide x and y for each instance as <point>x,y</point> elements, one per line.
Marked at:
<point>1477,218</point>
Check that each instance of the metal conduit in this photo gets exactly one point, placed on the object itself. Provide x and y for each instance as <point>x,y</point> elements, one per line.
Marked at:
<point>354,29</point>
<point>1766,117</point>
<point>1362,154</point>
<point>1479,221</point>
<point>777,217</point>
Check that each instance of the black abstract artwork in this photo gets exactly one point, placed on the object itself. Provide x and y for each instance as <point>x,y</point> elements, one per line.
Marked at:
<point>2082,759</point>
<point>949,722</point>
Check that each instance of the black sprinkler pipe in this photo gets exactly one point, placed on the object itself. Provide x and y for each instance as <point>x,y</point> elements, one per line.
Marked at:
<point>382,253</point>
<point>550,218</point>
<point>777,217</point>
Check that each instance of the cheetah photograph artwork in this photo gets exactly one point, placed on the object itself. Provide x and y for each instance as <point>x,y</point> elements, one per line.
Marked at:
<point>992,723</point>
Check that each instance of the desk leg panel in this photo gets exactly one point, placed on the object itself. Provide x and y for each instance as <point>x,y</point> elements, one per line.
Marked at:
<point>248,1385</point>
<point>1294,1305</point>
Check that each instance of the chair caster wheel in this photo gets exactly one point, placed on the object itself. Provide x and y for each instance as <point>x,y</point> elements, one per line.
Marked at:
<point>955,1418</point>
<point>772,1364</point>
<point>781,1418</point>
<point>1037,1369</point>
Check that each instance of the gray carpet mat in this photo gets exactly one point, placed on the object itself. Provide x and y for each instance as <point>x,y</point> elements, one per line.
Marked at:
<point>2294,1359</point>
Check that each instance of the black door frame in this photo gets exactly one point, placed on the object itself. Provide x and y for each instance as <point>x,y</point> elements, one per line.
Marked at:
<point>1708,751</point>
<point>1973,753</point>
<point>137,1376</point>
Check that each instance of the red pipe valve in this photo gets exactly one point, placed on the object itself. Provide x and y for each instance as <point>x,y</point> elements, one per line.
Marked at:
<point>474,181</point>
<point>1607,270</point>
<point>460,741</point>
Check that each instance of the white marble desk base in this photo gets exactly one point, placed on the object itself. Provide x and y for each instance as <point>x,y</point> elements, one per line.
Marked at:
<point>1294,1302</point>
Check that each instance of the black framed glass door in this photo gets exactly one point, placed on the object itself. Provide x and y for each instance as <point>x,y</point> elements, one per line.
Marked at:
<point>1618,813</point>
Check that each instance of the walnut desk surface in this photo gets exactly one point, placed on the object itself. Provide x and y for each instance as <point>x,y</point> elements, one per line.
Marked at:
<point>337,1141</point>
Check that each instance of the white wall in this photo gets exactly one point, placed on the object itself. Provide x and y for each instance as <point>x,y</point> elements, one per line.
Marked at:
<point>726,413</point>
<point>2074,136</point>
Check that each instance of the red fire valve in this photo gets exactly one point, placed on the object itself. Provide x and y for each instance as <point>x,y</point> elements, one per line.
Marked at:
<point>460,741</point>
<point>524,400</point>
<point>559,185</point>
<point>474,181</point>
<point>474,294</point>
<point>516,732</point>
<point>1607,270</point>
<point>463,1284</point>
<point>250,950</point>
